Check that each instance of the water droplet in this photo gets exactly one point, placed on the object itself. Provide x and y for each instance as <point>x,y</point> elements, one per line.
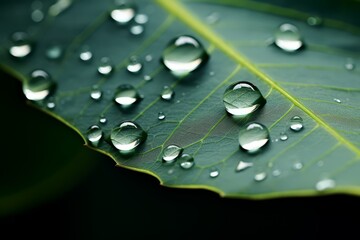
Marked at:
<point>39,86</point>
<point>147,78</point>
<point>260,176</point>
<point>94,134</point>
<point>127,136</point>
<point>213,18</point>
<point>136,29</point>
<point>298,166</point>
<point>21,45</point>
<point>127,95</point>
<point>212,73</point>
<point>320,163</point>
<point>243,165</point>
<point>95,93</point>
<point>124,12</point>
<point>283,136</point>
<point>276,173</point>
<point>314,21</point>
<point>349,64</point>
<point>214,172</point>
<point>161,116</point>
<point>253,136</point>
<point>141,18</point>
<point>148,58</point>
<point>105,67</point>
<point>102,119</point>
<point>167,93</point>
<point>134,65</point>
<point>183,55</point>
<point>296,124</point>
<point>54,52</point>
<point>171,171</point>
<point>171,153</point>
<point>85,54</point>
<point>186,161</point>
<point>337,100</point>
<point>50,103</point>
<point>37,15</point>
<point>325,184</point>
<point>288,38</point>
<point>242,98</point>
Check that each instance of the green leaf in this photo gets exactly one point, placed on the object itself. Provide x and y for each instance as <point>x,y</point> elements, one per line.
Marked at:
<point>304,83</point>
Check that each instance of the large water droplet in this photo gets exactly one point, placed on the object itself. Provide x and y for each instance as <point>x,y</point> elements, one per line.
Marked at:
<point>243,165</point>
<point>105,67</point>
<point>171,153</point>
<point>127,136</point>
<point>253,136</point>
<point>85,54</point>
<point>288,38</point>
<point>167,93</point>
<point>260,176</point>
<point>161,116</point>
<point>95,93</point>
<point>124,11</point>
<point>296,123</point>
<point>134,65</point>
<point>141,18</point>
<point>325,184</point>
<point>39,86</point>
<point>183,55</point>
<point>127,95</point>
<point>349,64</point>
<point>21,45</point>
<point>186,161</point>
<point>54,52</point>
<point>214,172</point>
<point>94,135</point>
<point>242,98</point>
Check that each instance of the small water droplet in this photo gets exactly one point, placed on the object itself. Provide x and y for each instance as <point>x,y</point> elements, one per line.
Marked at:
<point>127,136</point>
<point>325,184</point>
<point>320,163</point>
<point>183,55</point>
<point>283,136</point>
<point>102,119</point>
<point>242,98</point>
<point>21,45</point>
<point>147,78</point>
<point>349,64</point>
<point>94,134</point>
<point>50,104</point>
<point>214,172</point>
<point>134,65</point>
<point>296,124</point>
<point>260,176</point>
<point>171,153</point>
<point>124,12</point>
<point>37,15</point>
<point>213,18</point>
<point>276,173</point>
<point>95,93</point>
<point>136,29</point>
<point>314,21</point>
<point>127,95</point>
<point>161,116</point>
<point>298,166</point>
<point>148,58</point>
<point>243,165</point>
<point>85,54</point>
<point>105,67</point>
<point>337,100</point>
<point>54,52</point>
<point>212,73</point>
<point>141,18</point>
<point>253,136</point>
<point>186,161</point>
<point>171,171</point>
<point>167,93</point>
<point>39,86</point>
<point>288,38</point>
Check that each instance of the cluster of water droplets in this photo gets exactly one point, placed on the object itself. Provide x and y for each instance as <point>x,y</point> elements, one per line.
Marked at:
<point>173,153</point>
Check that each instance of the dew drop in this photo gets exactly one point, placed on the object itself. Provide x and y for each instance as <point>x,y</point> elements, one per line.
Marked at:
<point>148,58</point>
<point>288,38</point>
<point>105,67</point>
<point>253,136</point>
<point>283,136</point>
<point>124,12</point>
<point>214,172</point>
<point>127,136</point>
<point>260,176</point>
<point>242,98</point>
<point>314,21</point>
<point>147,78</point>
<point>167,93</point>
<point>126,95</point>
<point>349,64</point>
<point>21,45</point>
<point>212,18</point>
<point>183,55</point>
<point>337,100</point>
<point>50,104</point>
<point>95,93</point>
<point>37,15</point>
<point>54,52</point>
<point>171,153</point>
<point>276,173</point>
<point>85,54</point>
<point>296,124</point>
<point>170,171</point>
<point>161,116</point>
<point>39,86</point>
<point>243,165</point>
<point>186,161</point>
<point>136,29</point>
<point>134,65</point>
<point>102,119</point>
<point>298,166</point>
<point>141,18</point>
<point>325,184</point>
<point>94,135</point>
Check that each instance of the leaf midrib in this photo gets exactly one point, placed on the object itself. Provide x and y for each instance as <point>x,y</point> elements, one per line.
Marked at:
<point>175,8</point>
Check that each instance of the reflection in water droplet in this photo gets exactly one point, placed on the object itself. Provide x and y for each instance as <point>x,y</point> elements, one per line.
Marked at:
<point>85,54</point>
<point>314,21</point>
<point>288,38</point>
<point>136,29</point>
<point>134,65</point>
<point>349,64</point>
<point>337,100</point>
<point>171,153</point>
<point>183,55</point>
<point>124,12</point>
<point>127,136</point>
<point>214,172</point>
<point>242,98</point>
<point>260,176</point>
<point>95,93</point>
<point>283,136</point>
<point>296,124</point>
<point>161,116</point>
<point>325,184</point>
<point>167,93</point>
<point>105,67</point>
<point>39,86</point>
<point>54,52</point>
<point>253,136</point>
<point>298,166</point>
<point>102,120</point>
<point>141,18</point>
<point>21,45</point>
<point>127,95</point>
<point>186,161</point>
<point>94,134</point>
<point>276,173</point>
<point>147,78</point>
<point>213,18</point>
<point>243,165</point>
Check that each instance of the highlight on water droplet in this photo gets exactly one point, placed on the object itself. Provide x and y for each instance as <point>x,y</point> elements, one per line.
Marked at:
<point>186,161</point>
<point>288,38</point>
<point>95,93</point>
<point>296,123</point>
<point>214,172</point>
<point>167,93</point>
<point>260,176</point>
<point>39,86</point>
<point>243,165</point>
<point>349,64</point>
<point>21,45</point>
<point>54,52</point>
<point>85,54</point>
<point>124,12</point>
<point>94,135</point>
<point>253,137</point>
<point>105,67</point>
<point>314,21</point>
<point>325,184</point>
<point>134,65</point>
<point>126,95</point>
<point>141,18</point>
<point>242,99</point>
<point>161,116</point>
<point>136,29</point>
<point>171,153</point>
<point>184,54</point>
<point>127,136</point>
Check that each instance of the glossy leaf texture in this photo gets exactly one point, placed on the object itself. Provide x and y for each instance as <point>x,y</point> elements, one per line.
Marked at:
<point>314,83</point>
